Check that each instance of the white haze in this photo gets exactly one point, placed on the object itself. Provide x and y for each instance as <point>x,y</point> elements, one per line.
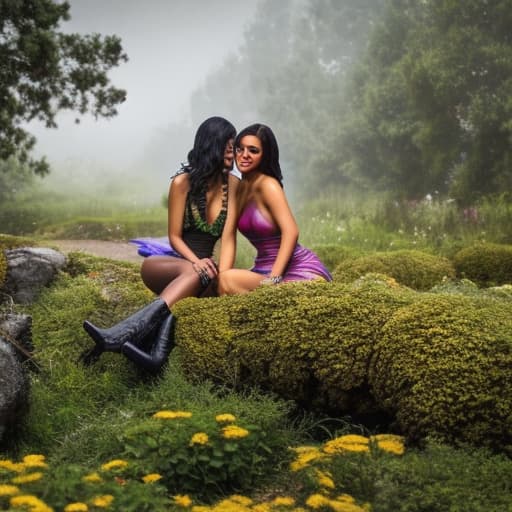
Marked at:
<point>172,45</point>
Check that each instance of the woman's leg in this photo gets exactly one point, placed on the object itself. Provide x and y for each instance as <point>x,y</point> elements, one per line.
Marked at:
<point>237,281</point>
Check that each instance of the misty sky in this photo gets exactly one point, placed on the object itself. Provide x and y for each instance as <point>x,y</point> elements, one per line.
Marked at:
<point>172,45</point>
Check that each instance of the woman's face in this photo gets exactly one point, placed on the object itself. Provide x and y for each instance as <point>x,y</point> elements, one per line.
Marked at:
<point>249,153</point>
<point>229,155</point>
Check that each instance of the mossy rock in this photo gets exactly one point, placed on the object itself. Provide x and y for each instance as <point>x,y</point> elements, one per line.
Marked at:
<point>415,269</point>
<point>8,242</point>
<point>309,342</point>
<point>486,264</point>
<point>443,365</point>
<point>332,255</point>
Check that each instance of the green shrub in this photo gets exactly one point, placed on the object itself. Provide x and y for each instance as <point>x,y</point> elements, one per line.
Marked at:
<point>486,264</point>
<point>331,254</point>
<point>309,342</point>
<point>443,365</point>
<point>415,269</point>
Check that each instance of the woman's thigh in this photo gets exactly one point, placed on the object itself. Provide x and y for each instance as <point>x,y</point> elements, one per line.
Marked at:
<point>158,272</point>
<point>237,281</point>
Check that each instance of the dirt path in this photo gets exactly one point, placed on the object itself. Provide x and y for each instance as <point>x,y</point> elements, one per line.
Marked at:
<point>114,250</point>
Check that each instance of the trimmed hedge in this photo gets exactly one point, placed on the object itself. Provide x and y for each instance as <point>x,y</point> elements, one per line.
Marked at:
<point>310,342</point>
<point>485,264</point>
<point>443,365</point>
<point>416,269</point>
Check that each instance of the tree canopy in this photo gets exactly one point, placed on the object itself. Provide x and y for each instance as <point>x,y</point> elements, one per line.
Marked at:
<point>44,71</point>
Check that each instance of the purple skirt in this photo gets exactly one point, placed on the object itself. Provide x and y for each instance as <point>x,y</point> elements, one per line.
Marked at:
<point>154,247</point>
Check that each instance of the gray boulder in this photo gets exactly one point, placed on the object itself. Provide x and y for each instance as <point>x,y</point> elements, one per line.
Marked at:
<point>29,269</point>
<point>14,387</point>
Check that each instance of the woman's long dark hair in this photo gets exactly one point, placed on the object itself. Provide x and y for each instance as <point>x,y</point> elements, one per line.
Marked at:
<point>206,158</point>
<point>270,159</point>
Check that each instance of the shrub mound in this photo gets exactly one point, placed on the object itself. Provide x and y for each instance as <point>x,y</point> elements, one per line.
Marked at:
<point>416,269</point>
<point>309,342</point>
<point>485,264</point>
<point>332,255</point>
<point>443,364</point>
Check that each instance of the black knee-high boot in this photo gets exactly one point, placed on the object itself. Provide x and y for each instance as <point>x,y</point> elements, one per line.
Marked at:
<point>132,329</point>
<point>153,360</point>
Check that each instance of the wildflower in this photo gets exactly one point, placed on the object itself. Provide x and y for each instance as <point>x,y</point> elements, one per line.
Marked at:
<point>8,490</point>
<point>225,418</point>
<point>347,443</point>
<point>345,503</point>
<point>325,479</point>
<point>25,479</point>
<point>92,478</point>
<point>200,508</point>
<point>199,438</point>
<point>283,501</point>
<point>390,443</point>
<point>306,454</point>
<point>31,502</point>
<point>114,464</point>
<point>15,467</point>
<point>103,501</point>
<point>234,432</point>
<point>182,500</point>
<point>261,507</point>
<point>171,415</point>
<point>317,501</point>
<point>152,477</point>
<point>76,507</point>
<point>34,461</point>
<point>241,500</point>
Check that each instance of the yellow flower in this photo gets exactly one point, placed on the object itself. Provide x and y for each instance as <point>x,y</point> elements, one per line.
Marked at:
<point>225,418</point>
<point>345,503</point>
<point>34,461</point>
<point>325,479</point>
<point>306,454</point>
<point>347,443</point>
<point>261,507</point>
<point>25,479</point>
<point>390,443</point>
<point>200,508</point>
<point>15,467</point>
<point>317,501</point>
<point>30,501</point>
<point>182,500</point>
<point>103,501</point>
<point>283,501</point>
<point>152,477</point>
<point>171,415</point>
<point>114,464</point>
<point>8,490</point>
<point>234,432</point>
<point>241,500</point>
<point>199,438</point>
<point>76,507</point>
<point>92,478</point>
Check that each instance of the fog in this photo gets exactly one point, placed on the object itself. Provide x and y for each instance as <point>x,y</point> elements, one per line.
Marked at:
<point>172,45</point>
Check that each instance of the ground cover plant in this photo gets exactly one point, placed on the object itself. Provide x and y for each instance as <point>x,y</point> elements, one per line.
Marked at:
<point>91,439</point>
<point>108,437</point>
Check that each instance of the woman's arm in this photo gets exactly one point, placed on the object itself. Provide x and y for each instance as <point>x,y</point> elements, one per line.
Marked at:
<point>275,201</point>
<point>228,239</point>
<point>177,198</point>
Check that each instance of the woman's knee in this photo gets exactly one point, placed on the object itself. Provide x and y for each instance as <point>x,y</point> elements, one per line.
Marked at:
<point>224,282</point>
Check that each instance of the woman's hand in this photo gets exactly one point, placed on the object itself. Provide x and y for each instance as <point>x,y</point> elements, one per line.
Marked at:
<point>206,266</point>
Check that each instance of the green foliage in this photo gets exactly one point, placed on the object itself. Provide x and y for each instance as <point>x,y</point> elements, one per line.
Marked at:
<point>443,364</point>
<point>418,270</point>
<point>45,71</point>
<point>486,264</point>
<point>309,342</point>
<point>331,254</point>
<point>198,454</point>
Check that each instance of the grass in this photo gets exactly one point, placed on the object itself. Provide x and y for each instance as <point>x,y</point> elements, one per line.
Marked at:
<point>79,417</point>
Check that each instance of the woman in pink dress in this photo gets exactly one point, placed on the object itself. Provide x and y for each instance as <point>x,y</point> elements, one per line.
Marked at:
<point>263,216</point>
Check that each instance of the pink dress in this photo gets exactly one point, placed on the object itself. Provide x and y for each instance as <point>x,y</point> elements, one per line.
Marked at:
<point>304,264</point>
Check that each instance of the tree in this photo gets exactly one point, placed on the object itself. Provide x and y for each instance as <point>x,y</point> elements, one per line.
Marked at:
<point>44,71</point>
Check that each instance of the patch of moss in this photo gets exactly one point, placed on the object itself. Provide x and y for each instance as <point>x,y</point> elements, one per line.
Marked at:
<point>443,364</point>
<point>310,342</point>
<point>416,269</point>
<point>487,264</point>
